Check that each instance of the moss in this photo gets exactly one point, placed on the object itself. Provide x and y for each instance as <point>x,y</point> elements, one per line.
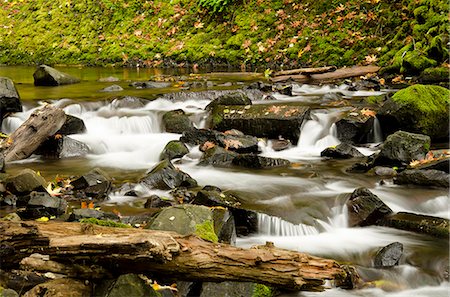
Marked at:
<point>415,62</point>
<point>376,99</point>
<point>205,231</point>
<point>106,223</point>
<point>262,291</point>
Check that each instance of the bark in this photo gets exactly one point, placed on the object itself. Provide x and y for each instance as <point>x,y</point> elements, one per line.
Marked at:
<point>306,71</point>
<point>79,250</point>
<point>33,132</point>
<point>329,76</point>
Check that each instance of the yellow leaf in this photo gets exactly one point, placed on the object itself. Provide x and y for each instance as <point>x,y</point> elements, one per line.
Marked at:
<point>42,219</point>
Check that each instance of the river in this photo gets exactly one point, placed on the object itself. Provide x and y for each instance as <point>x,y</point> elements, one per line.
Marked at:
<point>302,207</point>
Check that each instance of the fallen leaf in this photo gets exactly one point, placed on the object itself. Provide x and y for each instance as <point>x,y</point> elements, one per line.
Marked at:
<point>368,112</point>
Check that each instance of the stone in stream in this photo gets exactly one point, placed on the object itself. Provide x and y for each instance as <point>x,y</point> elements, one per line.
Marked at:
<point>423,224</point>
<point>199,136</point>
<point>262,120</point>
<point>442,164</point>
<point>128,285</point>
<point>2,162</point>
<point>62,147</point>
<point>174,149</point>
<point>8,199</point>
<point>95,184</point>
<point>62,287</point>
<point>150,84</point>
<point>154,201</point>
<point>389,255</point>
<point>176,121</point>
<point>112,88</point>
<point>258,162</point>
<point>355,127</point>
<point>24,183</point>
<point>72,125</point>
<point>365,208</point>
<point>48,76</point>
<point>165,176</point>
<point>41,204</point>
<point>341,151</point>
<point>233,98</point>
<point>431,178</point>
<point>109,79</point>
<point>9,97</point>
<point>213,196</point>
<point>236,141</point>
<point>85,213</point>
<point>217,156</point>
<point>401,148</point>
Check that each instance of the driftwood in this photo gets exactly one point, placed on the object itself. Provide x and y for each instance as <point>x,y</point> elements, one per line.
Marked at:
<point>306,71</point>
<point>42,123</point>
<point>81,250</point>
<point>329,76</point>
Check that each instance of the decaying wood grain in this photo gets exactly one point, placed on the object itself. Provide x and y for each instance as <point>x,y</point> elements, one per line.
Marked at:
<point>329,76</point>
<point>42,123</point>
<point>67,247</point>
<point>306,71</point>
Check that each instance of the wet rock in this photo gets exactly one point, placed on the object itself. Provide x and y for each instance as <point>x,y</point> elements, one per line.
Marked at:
<point>217,156</point>
<point>420,109</point>
<point>284,90</point>
<point>261,120</point>
<point>62,147</point>
<point>128,102</point>
<point>125,285</point>
<point>210,95</point>
<point>355,127</point>
<point>246,221</point>
<point>228,289</point>
<point>433,226</point>
<point>389,255</point>
<point>21,280</point>
<point>234,98</point>
<point>341,151</point>
<point>258,162</point>
<point>8,293</point>
<point>154,201</point>
<point>95,184</point>
<point>237,142</point>
<point>365,208</point>
<point>183,195</point>
<point>215,197</point>
<point>259,85</point>
<point>25,182</point>
<point>150,84</point>
<point>109,79</point>
<point>401,148</point>
<point>2,162</point>
<point>48,76</point>
<point>280,144</point>
<point>41,204</point>
<point>384,171</point>
<point>112,88</point>
<point>127,189</point>
<point>370,84</point>
<point>9,98</point>
<point>362,167</point>
<point>432,178</point>
<point>165,176</point>
<point>440,164</point>
<point>64,287</point>
<point>85,213</point>
<point>8,199</point>
<point>174,149</point>
<point>176,121</point>
<point>199,136</point>
<point>72,125</point>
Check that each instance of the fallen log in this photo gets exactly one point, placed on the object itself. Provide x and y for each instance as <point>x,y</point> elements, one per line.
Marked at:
<point>42,123</point>
<point>329,76</point>
<point>104,250</point>
<point>306,71</point>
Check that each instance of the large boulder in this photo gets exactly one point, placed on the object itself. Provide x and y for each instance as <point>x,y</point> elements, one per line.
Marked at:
<point>165,176</point>
<point>48,76</point>
<point>261,120</point>
<point>431,178</point>
<point>95,184</point>
<point>63,287</point>
<point>176,121</point>
<point>233,98</point>
<point>234,140</point>
<point>62,147</point>
<point>341,151</point>
<point>401,148</point>
<point>25,182</point>
<point>9,97</point>
<point>389,255</point>
<point>429,225</point>
<point>420,109</point>
<point>213,196</point>
<point>130,285</point>
<point>365,208</point>
<point>41,204</point>
<point>356,127</point>
<point>174,149</point>
<point>72,125</point>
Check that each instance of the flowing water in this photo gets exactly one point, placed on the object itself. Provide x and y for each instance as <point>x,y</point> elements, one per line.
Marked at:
<point>301,208</point>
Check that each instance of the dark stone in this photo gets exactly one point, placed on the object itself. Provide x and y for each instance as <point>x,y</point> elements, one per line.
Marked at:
<point>365,208</point>
<point>127,285</point>
<point>176,121</point>
<point>215,197</point>
<point>384,171</point>
<point>370,84</point>
<point>183,195</point>
<point>234,98</point>
<point>389,255</point>
<point>423,224</point>
<point>72,125</point>
<point>25,182</point>
<point>9,98</point>
<point>284,90</point>
<point>154,201</point>
<point>246,221</point>
<point>21,280</point>
<point>48,76</point>
<point>261,120</point>
<point>165,176</point>
<point>217,156</point>
<point>199,136</point>
<point>280,144</point>
<point>228,289</point>
<point>433,178</point>
<point>258,162</point>
<point>174,149</point>
<point>112,88</point>
<point>9,199</point>
<point>150,84</point>
<point>401,148</point>
<point>440,164</point>
<point>127,189</point>
<point>128,102</point>
<point>355,127</point>
<point>41,204</point>
<point>238,143</point>
<point>2,162</point>
<point>62,147</point>
<point>341,151</point>
<point>95,184</point>
<point>259,85</point>
<point>85,213</point>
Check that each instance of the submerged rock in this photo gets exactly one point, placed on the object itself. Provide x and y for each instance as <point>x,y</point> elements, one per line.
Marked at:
<point>95,184</point>
<point>48,76</point>
<point>365,208</point>
<point>176,121</point>
<point>109,79</point>
<point>72,125</point>
<point>165,176</point>
<point>389,255</point>
<point>420,109</point>
<point>433,178</point>
<point>112,88</point>
<point>62,147</point>
<point>341,151</point>
<point>174,149</point>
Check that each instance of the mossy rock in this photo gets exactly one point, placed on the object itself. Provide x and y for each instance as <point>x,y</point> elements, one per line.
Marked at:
<point>174,149</point>
<point>415,62</point>
<point>420,109</point>
<point>436,74</point>
<point>177,121</point>
<point>130,285</point>
<point>233,98</point>
<point>165,176</point>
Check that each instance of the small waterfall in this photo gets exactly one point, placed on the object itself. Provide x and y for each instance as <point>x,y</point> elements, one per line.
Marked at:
<point>274,226</point>
<point>377,134</point>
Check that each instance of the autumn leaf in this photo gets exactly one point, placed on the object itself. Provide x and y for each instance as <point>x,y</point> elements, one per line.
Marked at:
<point>368,112</point>
<point>369,59</point>
<point>232,143</point>
<point>207,145</point>
<point>53,191</point>
<point>198,25</point>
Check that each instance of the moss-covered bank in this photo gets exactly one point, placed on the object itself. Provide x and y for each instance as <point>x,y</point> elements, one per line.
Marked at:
<point>407,35</point>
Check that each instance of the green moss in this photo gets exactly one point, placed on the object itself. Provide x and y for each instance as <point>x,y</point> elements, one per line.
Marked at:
<point>436,74</point>
<point>262,291</point>
<point>415,62</point>
<point>106,223</point>
<point>205,231</point>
